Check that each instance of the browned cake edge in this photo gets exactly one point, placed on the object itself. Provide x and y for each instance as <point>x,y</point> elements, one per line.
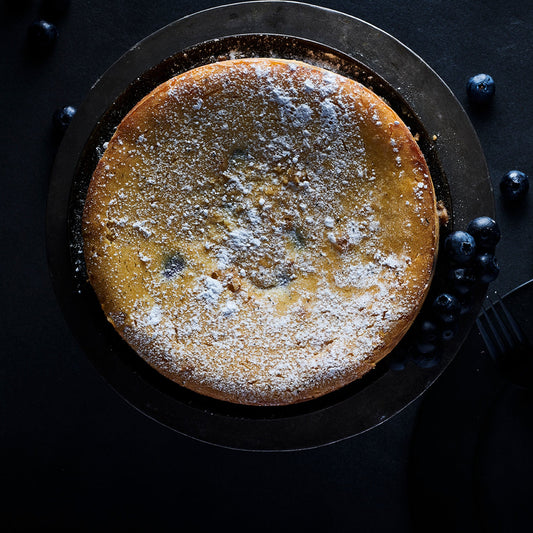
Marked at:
<point>91,233</point>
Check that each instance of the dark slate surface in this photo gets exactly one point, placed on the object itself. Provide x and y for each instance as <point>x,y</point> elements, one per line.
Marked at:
<point>75,455</point>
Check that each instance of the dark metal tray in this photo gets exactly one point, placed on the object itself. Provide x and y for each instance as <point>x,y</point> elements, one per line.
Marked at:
<point>279,29</point>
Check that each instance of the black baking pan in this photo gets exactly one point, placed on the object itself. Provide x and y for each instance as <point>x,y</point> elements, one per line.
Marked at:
<point>273,29</point>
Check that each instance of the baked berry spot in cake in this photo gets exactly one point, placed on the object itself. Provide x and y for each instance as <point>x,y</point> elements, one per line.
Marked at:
<point>261,231</point>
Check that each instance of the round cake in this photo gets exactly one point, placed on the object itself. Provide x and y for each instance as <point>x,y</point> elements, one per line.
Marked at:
<point>261,231</point>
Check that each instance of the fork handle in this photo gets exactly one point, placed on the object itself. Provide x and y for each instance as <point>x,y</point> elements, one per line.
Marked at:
<point>518,367</point>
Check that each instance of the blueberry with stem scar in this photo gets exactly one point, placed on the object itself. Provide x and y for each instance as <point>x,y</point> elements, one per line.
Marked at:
<point>480,89</point>
<point>460,247</point>
<point>448,332</point>
<point>446,307</point>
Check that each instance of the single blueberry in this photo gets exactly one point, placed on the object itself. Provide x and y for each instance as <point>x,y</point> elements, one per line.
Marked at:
<point>466,301</point>
<point>173,265</point>
<point>487,267</point>
<point>42,35</point>
<point>514,185</point>
<point>448,333</point>
<point>425,347</point>
<point>460,246</point>
<point>485,231</point>
<point>426,360</point>
<point>398,360</point>
<point>428,331</point>
<point>283,277</point>
<point>397,364</point>
<point>239,156</point>
<point>462,279</point>
<point>446,307</point>
<point>480,89</point>
<point>298,237</point>
<point>62,117</point>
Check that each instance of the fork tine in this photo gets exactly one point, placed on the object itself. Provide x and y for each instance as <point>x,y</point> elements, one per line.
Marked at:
<point>494,331</point>
<point>503,328</point>
<point>512,322</point>
<point>506,343</point>
<point>491,347</point>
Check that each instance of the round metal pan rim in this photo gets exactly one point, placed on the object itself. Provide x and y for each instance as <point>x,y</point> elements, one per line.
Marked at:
<point>320,423</point>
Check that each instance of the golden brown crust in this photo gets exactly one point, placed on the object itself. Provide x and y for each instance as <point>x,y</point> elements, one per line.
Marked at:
<point>442,213</point>
<point>261,231</point>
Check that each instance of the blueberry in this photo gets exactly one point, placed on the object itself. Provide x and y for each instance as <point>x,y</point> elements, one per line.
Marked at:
<point>485,231</point>
<point>514,185</point>
<point>448,333</point>
<point>400,355</point>
<point>425,347</point>
<point>428,331</point>
<point>487,267</point>
<point>462,279</point>
<point>466,301</point>
<point>460,246</point>
<point>480,89</point>
<point>398,361</point>
<point>298,237</point>
<point>426,360</point>
<point>446,307</point>
<point>173,265</point>
<point>42,35</point>
<point>62,117</point>
<point>397,364</point>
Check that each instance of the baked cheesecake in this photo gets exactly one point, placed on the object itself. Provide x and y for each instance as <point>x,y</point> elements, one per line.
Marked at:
<point>261,231</point>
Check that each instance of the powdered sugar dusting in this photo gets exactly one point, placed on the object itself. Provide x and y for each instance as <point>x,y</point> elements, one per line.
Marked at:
<point>210,289</point>
<point>251,253</point>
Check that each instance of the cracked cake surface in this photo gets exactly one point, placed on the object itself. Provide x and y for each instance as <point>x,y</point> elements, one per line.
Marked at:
<point>261,231</point>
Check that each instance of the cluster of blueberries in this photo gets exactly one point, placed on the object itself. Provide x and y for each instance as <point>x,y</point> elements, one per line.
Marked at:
<point>470,260</point>
<point>470,264</point>
<point>42,36</point>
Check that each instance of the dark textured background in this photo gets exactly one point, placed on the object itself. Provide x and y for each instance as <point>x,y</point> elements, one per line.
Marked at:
<point>74,454</point>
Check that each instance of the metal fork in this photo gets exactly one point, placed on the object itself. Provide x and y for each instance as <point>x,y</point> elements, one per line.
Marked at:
<point>506,343</point>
